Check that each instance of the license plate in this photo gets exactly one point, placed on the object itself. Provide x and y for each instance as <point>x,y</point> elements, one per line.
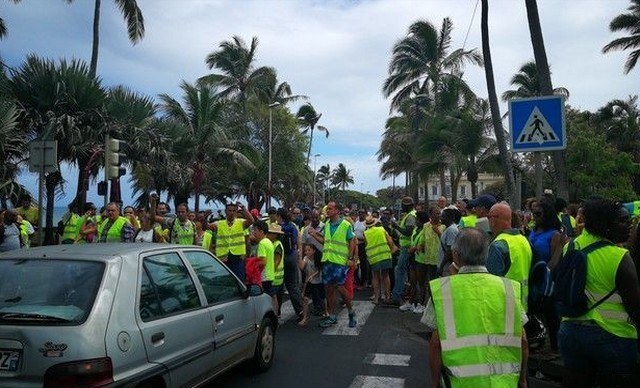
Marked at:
<point>9,360</point>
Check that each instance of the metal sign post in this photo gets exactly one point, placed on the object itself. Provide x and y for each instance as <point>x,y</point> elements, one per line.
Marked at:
<point>43,158</point>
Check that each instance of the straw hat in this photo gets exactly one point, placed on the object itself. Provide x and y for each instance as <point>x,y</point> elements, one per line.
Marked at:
<point>407,201</point>
<point>275,229</point>
<point>370,221</point>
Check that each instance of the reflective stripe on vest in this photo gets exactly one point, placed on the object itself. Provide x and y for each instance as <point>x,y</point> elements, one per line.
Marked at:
<point>230,239</point>
<point>602,267</point>
<point>405,241</point>
<point>520,256</point>
<point>114,234</point>
<point>180,234</point>
<point>278,278</point>
<point>336,246</point>
<point>480,329</point>
<point>377,247</point>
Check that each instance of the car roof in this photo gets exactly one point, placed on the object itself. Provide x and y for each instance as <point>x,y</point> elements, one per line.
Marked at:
<point>90,251</point>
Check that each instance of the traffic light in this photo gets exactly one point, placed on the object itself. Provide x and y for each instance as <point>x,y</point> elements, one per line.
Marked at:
<point>114,159</point>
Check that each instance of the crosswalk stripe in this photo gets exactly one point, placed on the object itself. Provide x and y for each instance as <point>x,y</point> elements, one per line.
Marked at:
<point>362,308</point>
<point>387,359</point>
<point>377,382</point>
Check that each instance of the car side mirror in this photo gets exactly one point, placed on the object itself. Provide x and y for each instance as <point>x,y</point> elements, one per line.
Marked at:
<point>253,290</point>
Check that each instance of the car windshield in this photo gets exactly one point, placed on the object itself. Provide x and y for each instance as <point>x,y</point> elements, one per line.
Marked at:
<point>45,291</point>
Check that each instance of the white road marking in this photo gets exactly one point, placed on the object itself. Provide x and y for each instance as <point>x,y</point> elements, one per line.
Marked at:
<point>362,308</point>
<point>377,382</point>
<point>387,359</point>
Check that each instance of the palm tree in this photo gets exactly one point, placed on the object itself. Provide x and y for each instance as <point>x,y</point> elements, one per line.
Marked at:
<point>528,85</point>
<point>309,118</point>
<point>60,102</point>
<point>342,177</point>
<point>3,27</point>
<point>238,76</point>
<point>205,138</point>
<point>495,108</point>
<point>629,22</point>
<point>13,147</point>
<point>546,89</point>
<point>323,176</point>
<point>422,60</point>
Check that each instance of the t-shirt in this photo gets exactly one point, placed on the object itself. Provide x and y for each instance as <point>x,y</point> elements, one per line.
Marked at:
<point>334,226</point>
<point>358,229</point>
<point>10,238</point>
<point>309,268</point>
<point>446,240</point>
<point>265,252</point>
<point>308,239</point>
<point>144,236</point>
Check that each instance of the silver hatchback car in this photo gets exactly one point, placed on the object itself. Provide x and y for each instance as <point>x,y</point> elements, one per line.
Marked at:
<point>145,315</point>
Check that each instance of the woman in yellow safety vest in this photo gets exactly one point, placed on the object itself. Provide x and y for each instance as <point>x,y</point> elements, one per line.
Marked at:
<point>603,341</point>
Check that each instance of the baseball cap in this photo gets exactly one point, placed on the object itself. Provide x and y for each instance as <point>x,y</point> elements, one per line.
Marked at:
<point>485,200</point>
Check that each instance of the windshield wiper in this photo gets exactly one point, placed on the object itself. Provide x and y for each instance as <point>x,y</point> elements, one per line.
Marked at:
<point>31,317</point>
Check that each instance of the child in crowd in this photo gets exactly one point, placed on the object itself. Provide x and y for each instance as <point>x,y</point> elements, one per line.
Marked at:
<point>312,287</point>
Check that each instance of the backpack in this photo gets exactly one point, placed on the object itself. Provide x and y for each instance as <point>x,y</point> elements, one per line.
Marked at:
<point>570,278</point>
<point>541,284</point>
<point>289,240</point>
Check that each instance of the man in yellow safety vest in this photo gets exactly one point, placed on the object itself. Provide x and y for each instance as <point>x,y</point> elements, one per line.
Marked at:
<point>231,246</point>
<point>477,318</point>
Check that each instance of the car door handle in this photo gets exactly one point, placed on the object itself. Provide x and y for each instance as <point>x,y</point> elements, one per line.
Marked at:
<point>219,318</point>
<point>157,337</point>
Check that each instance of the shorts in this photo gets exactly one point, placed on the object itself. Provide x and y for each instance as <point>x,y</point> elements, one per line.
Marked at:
<point>334,274</point>
<point>381,265</point>
<point>585,346</point>
<point>314,290</point>
<point>268,288</point>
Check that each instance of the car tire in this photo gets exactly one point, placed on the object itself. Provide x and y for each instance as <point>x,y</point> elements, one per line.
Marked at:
<point>265,346</point>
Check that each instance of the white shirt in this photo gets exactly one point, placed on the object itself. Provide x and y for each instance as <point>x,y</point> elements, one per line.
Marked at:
<point>144,236</point>
<point>358,229</point>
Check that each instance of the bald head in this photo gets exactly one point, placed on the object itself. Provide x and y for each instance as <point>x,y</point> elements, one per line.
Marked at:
<point>499,218</point>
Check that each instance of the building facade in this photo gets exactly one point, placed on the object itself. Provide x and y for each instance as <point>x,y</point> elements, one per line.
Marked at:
<point>430,190</point>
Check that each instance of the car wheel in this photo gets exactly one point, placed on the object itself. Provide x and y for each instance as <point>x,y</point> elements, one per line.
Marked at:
<point>265,346</point>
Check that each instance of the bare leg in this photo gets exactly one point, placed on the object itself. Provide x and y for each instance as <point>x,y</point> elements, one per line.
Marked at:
<point>386,284</point>
<point>331,298</point>
<point>375,281</point>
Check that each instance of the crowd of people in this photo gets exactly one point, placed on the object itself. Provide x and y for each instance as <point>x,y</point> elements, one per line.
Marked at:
<point>483,323</point>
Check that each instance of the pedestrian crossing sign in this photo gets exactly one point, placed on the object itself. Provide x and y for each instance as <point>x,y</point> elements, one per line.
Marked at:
<point>537,124</point>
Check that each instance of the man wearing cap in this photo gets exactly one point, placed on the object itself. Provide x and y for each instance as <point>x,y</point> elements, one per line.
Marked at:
<point>510,253</point>
<point>338,255</point>
<point>379,247</point>
<point>478,215</point>
<point>231,245</point>
<point>405,230</point>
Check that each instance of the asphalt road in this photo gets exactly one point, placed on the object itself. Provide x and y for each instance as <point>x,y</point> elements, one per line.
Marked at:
<point>388,349</point>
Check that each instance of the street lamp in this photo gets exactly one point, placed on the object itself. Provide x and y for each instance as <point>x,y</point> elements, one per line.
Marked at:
<point>315,159</point>
<point>271,106</point>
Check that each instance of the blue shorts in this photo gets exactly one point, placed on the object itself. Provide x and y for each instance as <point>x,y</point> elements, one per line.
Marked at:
<point>334,273</point>
<point>586,346</point>
<point>381,265</point>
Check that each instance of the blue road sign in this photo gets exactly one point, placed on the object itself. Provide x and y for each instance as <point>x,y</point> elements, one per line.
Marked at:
<point>537,124</point>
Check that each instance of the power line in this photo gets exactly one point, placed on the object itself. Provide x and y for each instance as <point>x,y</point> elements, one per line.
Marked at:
<point>470,24</point>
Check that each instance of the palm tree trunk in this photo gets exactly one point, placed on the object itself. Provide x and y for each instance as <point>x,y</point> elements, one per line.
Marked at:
<point>310,144</point>
<point>443,181</point>
<point>454,184</point>
<point>96,40</point>
<point>495,108</point>
<point>546,89</point>
<point>51,182</point>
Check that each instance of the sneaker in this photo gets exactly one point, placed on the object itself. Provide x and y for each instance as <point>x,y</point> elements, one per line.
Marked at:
<point>328,321</point>
<point>419,309</point>
<point>352,319</point>
<point>407,306</point>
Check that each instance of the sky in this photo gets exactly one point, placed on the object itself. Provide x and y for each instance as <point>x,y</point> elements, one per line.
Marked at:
<point>336,52</point>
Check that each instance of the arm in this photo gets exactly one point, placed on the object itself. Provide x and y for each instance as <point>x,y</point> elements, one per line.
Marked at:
<point>394,248</point>
<point>525,356</point>
<point>435,359</point>
<point>629,288</point>
<point>248,218</point>
<point>313,233</point>
<point>557,244</point>
<point>152,210</point>
<point>496,259</point>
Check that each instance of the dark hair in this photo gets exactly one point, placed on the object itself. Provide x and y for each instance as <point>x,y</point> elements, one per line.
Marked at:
<point>549,219</point>
<point>186,207</point>
<point>600,216</point>
<point>262,226</point>
<point>422,216</point>
<point>284,214</point>
<point>560,204</point>
<point>452,215</point>
<point>317,256</point>
<point>165,205</point>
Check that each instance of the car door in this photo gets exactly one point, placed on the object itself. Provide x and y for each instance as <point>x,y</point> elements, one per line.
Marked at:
<point>233,315</point>
<point>176,328</point>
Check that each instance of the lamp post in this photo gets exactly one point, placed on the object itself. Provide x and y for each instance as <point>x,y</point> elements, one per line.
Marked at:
<point>315,159</point>
<point>361,193</point>
<point>271,106</point>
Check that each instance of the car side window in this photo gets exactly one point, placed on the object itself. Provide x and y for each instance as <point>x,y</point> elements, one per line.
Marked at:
<point>166,287</point>
<point>218,283</point>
